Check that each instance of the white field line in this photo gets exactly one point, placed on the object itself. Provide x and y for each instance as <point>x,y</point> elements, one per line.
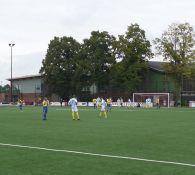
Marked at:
<point>98,155</point>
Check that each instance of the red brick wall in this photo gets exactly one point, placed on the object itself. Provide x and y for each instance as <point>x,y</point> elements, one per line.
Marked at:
<point>30,98</point>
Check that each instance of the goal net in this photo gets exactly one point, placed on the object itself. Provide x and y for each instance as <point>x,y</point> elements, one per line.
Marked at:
<point>142,98</point>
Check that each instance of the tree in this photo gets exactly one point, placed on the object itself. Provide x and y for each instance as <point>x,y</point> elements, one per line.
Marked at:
<point>70,67</point>
<point>176,45</point>
<point>81,79</point>
<point>5,89</point>
<point>98,52</point>
<point>59,66</point>
<point>133,51</point>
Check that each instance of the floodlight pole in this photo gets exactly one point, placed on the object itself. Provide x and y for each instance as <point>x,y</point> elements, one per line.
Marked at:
<point>11,45</point>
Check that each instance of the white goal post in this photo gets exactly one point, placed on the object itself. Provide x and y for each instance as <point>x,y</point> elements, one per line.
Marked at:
<point>163,97</point>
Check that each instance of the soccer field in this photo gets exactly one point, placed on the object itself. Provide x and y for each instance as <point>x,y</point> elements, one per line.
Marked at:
<point>128,142</point>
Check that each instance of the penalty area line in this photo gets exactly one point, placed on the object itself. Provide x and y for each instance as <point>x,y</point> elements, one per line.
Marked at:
<point>98,155</point>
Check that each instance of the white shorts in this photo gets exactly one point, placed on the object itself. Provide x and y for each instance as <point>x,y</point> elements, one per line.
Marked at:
<point>103,108</point>
<point>74,109</point>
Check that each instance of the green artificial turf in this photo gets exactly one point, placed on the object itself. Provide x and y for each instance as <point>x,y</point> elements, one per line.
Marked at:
<point>165,134</point>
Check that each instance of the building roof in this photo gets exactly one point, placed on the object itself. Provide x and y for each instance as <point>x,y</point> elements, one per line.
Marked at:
<point>156,65</point>
<point>26,77</point>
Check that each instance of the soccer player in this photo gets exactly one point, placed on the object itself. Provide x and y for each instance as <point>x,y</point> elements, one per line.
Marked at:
<point>61,101</point>
<point>129,103</point>
<point>148,102</point>
<point>103,108</point>
<point>121,101</point>
<point>20,104</point>
<point>98,102</point>
<point>158,103</point>
<point>94,103</point>
<point>73,103</point>
<point>118,102</point>
<point>45,104</point>
<point>109,104</point>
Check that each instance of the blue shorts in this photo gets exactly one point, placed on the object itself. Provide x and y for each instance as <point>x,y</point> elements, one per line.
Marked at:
<point>45,109</point>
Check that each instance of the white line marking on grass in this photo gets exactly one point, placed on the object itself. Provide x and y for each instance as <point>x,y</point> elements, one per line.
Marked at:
<point>98,155</point>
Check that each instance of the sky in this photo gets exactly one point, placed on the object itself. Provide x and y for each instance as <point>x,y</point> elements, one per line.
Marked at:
<point>31,24</point>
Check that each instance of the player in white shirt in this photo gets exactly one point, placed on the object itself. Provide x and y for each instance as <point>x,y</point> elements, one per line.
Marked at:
<point>73,103</point>
<point>98,102</point>
<point>129,102</point>
<point>103,108</point>
<point>148,102</point>
<point>118,102</point>
<point>121,102</point>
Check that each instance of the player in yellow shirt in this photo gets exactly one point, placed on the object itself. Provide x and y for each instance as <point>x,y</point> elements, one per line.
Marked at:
<point>45,104</point>
<point>20,104</point>
<point>94,103</point>
<point>158,103</point>
<point>109,104</point>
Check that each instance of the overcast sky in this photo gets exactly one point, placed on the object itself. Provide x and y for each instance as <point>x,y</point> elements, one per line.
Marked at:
<point>31,24</point>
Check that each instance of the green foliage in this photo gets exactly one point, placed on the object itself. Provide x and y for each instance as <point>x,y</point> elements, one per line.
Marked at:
<point>133,51</point>
<point>59,66</point>
<point>176,45</point>
<point>70,67</point>
<point>99,53</point>
<point>5,89</point>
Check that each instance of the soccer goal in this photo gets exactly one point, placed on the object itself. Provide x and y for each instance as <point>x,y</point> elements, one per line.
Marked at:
<point>164,98</point>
